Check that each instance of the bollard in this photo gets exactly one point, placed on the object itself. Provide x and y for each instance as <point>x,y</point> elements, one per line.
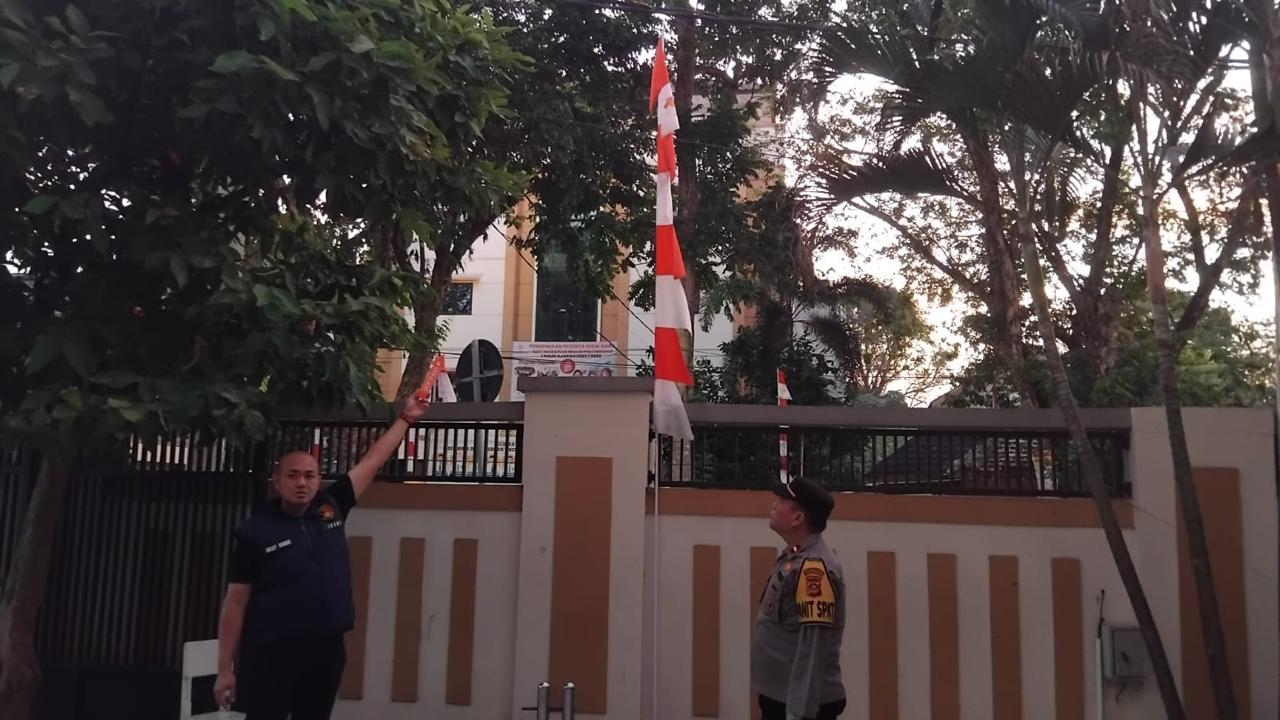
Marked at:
<point>544,701</point>
<point>566,713</point>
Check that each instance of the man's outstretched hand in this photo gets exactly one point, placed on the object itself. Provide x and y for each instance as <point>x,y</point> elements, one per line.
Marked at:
<point>415,406</point>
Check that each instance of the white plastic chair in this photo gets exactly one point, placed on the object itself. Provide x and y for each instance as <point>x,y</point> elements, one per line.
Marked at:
<point>200,659</point>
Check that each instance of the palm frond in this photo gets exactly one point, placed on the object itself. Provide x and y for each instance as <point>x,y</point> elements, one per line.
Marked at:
<point>854,49</point>
<point>862,292</point>
<point>1261,147</point>
<point>1080,17</point>
<point>1208,143</point>
<point>973,84</point>
<point>1046,92</point>
<point>839,337</point>
<point>918,171</point>
<point>1226,25</point>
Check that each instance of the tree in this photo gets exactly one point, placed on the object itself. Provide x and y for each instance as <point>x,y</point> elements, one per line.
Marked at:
<point>184,185</point>
<point>1027,169</point>
<point>716,65</point>
<point>878,343</point>
<point>1168,109</point>
<point>572,143</point>
<point>948,87</point>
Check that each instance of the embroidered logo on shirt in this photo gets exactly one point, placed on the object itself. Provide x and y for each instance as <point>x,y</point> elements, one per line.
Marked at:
<point>334,524</point>
<point>326,512</point>
<point>279,546</point>
<point>815,595</point>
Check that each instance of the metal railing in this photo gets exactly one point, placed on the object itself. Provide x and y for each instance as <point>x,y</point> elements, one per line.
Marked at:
<point>941,453</point>
<point>482,444</point>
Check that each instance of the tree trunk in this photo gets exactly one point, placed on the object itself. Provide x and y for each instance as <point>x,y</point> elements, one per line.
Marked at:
<point>1197,546</point>
<point>426,315</point>
<point>1264,67</point>
<point>24,588</point>
<point>686,189</point>
<point>1095,322</point>
<point>1002,298</point>
<point>1092,469</point>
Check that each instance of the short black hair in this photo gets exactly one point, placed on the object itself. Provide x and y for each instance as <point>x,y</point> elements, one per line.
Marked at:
<point>815,525</point>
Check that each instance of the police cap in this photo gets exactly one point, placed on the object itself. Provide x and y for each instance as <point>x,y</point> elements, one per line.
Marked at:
<point>814,499</point>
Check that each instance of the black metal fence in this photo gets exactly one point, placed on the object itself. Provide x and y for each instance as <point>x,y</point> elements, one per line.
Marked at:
<point>477,451</point>
<point>739,453</point>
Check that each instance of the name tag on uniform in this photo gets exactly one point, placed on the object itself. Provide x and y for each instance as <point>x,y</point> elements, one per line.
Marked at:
<point>279,546</point>
<point>334,524</point>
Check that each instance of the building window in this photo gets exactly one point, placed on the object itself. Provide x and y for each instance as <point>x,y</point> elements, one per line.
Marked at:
<point>457,299</point>
<point>563,311</point>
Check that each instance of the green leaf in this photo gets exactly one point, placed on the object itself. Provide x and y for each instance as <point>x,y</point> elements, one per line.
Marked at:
<point>266,28</point>
<point>9,73</point>
<point>319,61</point>
<point>299,6</point>
<point>64,412</point>
<point>133,413</point>
<point>117,403</point>
<point>362,44</point>
<point>178,267</point>
<point>77,20</point>
<point>279,70</point>
<point>323,106</point>
<point>40,204</point>
<point>72,396</point>
<point>262,294</point>
<point>233,61</point>
<point>90,106</point>
<point>115,379</point>
<point>45,349</point>
<point>79,353</point>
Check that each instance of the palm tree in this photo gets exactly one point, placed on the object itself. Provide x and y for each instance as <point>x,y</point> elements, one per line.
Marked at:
<point>1012,84</point>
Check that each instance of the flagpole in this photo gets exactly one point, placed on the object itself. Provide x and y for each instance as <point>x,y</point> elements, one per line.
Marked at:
<point>657,549</point>
<point>671,315</point>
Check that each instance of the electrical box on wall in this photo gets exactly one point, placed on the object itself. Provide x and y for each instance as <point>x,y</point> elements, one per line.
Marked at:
<point>1124,654</point>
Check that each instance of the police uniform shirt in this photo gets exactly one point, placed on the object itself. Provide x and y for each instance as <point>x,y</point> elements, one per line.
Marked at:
<point>298,567</point>
<point>795,650</point>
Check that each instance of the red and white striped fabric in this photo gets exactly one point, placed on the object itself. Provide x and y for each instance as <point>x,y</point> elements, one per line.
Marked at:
<point>671,307</point>
<point>784,398</point>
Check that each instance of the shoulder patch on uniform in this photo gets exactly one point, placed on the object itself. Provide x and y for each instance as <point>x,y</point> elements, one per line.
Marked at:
<point>815,595</point>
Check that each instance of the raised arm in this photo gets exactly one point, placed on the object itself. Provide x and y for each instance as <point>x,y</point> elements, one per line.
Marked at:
<point>384,447</point>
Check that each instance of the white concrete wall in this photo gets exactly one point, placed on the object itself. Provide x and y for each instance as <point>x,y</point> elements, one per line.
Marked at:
<point>1218,438</point>
<point>498,546</point>
<point>1221,437</point>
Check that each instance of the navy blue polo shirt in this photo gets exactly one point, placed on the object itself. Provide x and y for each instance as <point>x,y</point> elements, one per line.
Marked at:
<point>298,567</point>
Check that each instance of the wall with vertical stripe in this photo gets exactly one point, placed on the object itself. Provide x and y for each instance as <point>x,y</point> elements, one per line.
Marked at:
<point>435,608</point>
<point>956,607</point>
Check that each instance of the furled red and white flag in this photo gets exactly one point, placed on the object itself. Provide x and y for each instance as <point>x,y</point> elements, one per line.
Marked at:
<point>784,395</point>
<point>784,398</point>
<point>671,306</point>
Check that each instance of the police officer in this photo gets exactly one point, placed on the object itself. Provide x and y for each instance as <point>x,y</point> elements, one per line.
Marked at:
<point>795,652</point>
<point>288,602</point>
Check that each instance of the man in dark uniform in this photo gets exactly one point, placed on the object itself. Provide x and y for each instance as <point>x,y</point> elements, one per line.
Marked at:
<point>795,651</point>
<point>288,602</point>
